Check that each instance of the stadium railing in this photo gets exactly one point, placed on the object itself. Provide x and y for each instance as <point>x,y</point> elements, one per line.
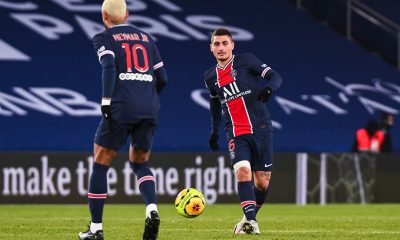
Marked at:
<point>361,23</point>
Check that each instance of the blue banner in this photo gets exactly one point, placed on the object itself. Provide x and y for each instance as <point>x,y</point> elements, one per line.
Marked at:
<point>50,78</point>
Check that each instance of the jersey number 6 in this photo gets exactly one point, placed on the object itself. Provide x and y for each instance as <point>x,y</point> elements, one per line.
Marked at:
<point>134,53</point>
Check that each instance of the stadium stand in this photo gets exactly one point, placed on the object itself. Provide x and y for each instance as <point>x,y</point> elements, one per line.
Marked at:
<point>388,8</point>
<point>50,83</point>
<point>374,24</point>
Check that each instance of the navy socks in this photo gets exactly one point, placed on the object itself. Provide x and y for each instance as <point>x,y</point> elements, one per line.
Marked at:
<point>247,199</point>
<point>97,192</point>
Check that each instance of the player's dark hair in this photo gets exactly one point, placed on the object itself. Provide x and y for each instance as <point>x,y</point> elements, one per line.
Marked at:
<point>221,32</point>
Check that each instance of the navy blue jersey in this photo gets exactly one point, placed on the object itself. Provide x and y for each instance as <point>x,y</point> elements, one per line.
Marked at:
<point>237,86</point>
<point>136,59</point>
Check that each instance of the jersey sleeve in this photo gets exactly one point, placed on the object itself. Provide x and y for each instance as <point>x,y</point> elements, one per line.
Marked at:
<point>158,69</point>
<point>158,62</point>
<point>263,70</point>
<point>102,46</point>
<point>208,83</point>
<point>107,60</point>
<point>215,106</point>
<point>256,66</point>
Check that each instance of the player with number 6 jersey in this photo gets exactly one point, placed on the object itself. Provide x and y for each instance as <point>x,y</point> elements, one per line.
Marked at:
<point>234,86</point>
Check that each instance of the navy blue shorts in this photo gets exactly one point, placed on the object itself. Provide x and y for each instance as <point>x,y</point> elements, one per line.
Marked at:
<point>256,148</point>
<point>141,134</point>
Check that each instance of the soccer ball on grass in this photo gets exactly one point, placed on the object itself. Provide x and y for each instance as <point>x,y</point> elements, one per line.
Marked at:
<point>190,202</point>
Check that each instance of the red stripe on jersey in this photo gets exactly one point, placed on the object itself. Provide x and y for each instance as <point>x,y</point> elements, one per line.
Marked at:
<point>237,107</point>
<point>240,118</point>
<point>224,75</point>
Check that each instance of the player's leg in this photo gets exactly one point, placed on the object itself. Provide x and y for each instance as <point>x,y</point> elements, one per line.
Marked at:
<point>105,149</point>
<point>145,178</point>
<point>262,166</point>
<point>139,153</point>
<point>261,183</point>
<point>240,153</point>
<point>261,145</point>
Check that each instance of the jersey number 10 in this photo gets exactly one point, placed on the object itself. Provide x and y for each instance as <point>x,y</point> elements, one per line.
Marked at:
<point>134,54</point>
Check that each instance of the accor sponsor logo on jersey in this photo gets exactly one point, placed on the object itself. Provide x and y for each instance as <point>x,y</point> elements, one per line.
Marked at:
<point>136,76</point>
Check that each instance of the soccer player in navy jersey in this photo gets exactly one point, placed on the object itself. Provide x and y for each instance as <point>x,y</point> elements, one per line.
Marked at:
<point>132,78</point>
<point>234,88</point>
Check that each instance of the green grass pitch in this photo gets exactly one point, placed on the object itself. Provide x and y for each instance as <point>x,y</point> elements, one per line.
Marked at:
<point>277,221</point>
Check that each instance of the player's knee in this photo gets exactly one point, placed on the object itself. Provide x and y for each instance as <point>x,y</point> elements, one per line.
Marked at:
<point>262,185</point>
<point>242,170</point>
<point>103,155</point>
<point>262,180</point>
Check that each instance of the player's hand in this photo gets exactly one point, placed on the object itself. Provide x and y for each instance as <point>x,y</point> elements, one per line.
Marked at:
<point>106,112</point>
<point>264,95</point>
<point>213,142</point>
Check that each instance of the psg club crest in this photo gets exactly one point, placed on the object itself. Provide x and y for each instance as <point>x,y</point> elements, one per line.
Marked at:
<point>233,73</point>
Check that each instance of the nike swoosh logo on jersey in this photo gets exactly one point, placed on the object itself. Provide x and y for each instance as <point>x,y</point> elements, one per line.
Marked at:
<point>265,165</point>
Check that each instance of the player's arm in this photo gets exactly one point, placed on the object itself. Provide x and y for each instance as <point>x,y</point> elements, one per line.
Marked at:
<point>263,70</point>
<point>266,72</point>
<point>107,60</point>
<point>159,70</point>
<point>275,81</point>
<point>161,79</point>
<point>108,75</point>
<point>216,112</point>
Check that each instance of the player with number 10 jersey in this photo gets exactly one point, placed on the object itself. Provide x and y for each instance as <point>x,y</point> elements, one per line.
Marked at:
<point>139,74</point>
<point>132,78</point>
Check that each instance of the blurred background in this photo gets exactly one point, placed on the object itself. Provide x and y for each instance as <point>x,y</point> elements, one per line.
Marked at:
<point>339,60</point>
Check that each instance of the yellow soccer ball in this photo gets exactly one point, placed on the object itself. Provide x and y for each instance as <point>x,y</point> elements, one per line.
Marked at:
<point>190,202</point>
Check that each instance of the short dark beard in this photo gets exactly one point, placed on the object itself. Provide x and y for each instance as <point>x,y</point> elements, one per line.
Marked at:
<point>223,60</point>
